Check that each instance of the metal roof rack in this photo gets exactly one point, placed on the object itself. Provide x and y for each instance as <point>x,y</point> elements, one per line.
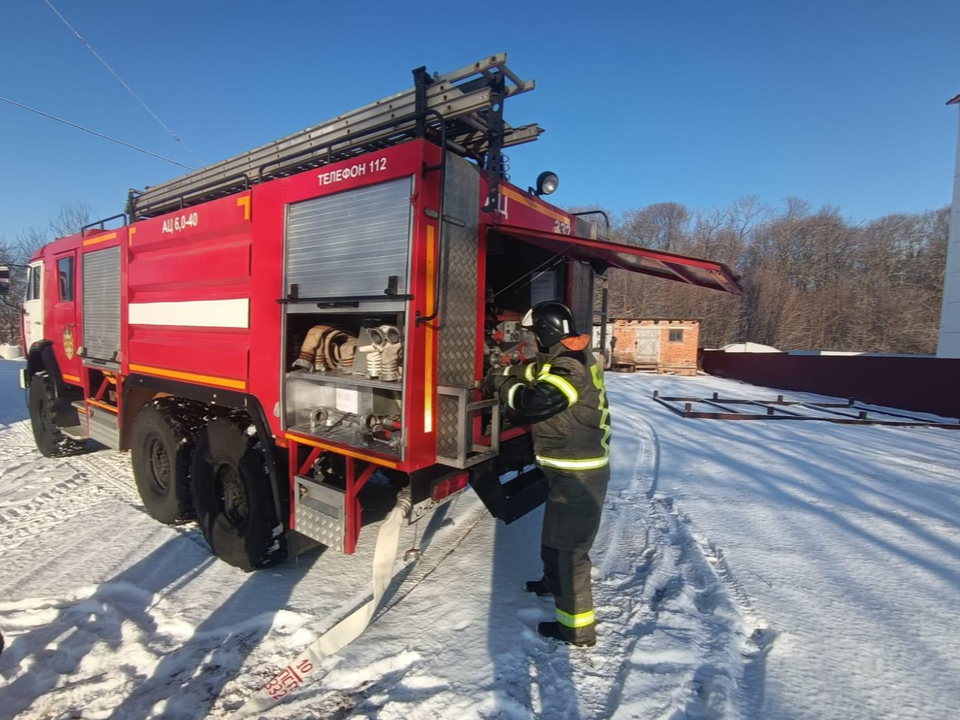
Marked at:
<point>463,107</point>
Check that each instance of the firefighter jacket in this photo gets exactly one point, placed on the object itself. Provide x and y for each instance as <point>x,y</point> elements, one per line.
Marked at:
<point>563,395</point>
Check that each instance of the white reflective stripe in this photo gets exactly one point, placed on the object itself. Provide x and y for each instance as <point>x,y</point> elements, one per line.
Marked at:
<point>511,392</point>
<point>564,386</point>
<point>193,313</point>
<point>530,372</point>
<point>506,370</point>
<point>588,464</point>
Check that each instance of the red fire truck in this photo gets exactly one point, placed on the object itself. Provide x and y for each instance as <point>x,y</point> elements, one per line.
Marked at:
<point>269,333</point>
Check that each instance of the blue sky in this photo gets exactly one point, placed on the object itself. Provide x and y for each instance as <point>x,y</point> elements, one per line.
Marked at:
<point>840,103</point>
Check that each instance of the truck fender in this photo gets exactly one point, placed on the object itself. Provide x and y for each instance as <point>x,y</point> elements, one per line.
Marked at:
<point>42,358</point>
<point>140,389</point>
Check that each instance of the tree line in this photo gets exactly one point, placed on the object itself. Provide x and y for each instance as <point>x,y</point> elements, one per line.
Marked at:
<point>18,250</point>
<point>812,279</point>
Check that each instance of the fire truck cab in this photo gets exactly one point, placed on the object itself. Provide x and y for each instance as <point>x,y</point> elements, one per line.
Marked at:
<point>271,335</point>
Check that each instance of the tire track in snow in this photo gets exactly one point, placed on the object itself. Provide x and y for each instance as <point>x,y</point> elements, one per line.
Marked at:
<point>96,476</point>
<point>676,580</point>
<point>57,502</point>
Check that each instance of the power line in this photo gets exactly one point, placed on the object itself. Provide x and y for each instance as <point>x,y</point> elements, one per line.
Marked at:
<point>121,81</point>
<point>93,132</point>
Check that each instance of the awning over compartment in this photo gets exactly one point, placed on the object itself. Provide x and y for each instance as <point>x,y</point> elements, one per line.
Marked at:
<point>704,273</point>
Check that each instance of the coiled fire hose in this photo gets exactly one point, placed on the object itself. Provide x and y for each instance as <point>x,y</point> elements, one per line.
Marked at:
<point>344,632</point>
<point>308,350</point>
<point>326,348</point>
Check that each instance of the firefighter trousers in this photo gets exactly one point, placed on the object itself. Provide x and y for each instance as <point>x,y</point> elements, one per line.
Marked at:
<point>570,524</point>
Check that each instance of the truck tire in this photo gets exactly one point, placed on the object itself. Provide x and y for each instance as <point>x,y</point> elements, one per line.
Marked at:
<point>233,496</point>
<point>51,442</point>
<point>161,452</point>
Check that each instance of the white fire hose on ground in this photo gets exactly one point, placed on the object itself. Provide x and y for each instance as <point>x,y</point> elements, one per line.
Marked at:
<point>345,631</point>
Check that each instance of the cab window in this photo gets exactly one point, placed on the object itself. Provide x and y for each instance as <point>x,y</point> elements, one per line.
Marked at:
<point>33,283</point>
<point>29,295</point>
<point>65,277</point>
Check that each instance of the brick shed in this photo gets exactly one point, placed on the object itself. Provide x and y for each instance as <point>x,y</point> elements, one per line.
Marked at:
<point>664,345</point>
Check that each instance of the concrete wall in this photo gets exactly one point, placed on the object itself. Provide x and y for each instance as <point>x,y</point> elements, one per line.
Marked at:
<point>678,357</point>
<point>949,345</point>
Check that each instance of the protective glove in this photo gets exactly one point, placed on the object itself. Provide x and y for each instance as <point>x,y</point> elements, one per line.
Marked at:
<point>495,379</point>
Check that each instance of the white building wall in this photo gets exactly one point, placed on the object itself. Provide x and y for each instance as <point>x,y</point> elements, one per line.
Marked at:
<point>949,345</point>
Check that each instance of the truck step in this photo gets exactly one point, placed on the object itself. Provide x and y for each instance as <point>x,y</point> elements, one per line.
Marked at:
<point>75,432</point>
<point>103,428</point>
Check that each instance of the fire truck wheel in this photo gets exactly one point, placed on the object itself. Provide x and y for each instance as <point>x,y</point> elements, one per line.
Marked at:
<point>161,450</point>
<point>51,442</point>
<point>233,497</point>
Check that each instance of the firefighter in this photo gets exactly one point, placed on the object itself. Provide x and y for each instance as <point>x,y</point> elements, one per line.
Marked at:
<point>562,395</point>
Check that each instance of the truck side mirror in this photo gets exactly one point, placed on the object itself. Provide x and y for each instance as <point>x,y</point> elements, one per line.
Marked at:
<point>4,279</point>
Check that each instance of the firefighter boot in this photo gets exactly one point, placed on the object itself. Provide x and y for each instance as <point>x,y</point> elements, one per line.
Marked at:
<point>555,631</point>
<point>549,584</point>
<point>538,588</point>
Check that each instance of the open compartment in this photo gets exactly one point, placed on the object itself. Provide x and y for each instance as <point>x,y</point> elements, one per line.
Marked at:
<point>344,378</point>
<point>519,275</point>
<point>346,296</point>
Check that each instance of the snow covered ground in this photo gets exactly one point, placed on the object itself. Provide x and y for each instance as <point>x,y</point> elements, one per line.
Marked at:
<point>744,570</point>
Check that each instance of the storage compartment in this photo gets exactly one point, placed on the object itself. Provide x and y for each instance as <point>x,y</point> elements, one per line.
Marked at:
<point>101,305</point>
<point>352,245</point>
<point>346,284</point>
<point>344,378</point>
<point>519,275</point>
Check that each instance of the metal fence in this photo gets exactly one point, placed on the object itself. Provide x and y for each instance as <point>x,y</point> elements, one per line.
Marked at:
<point>921,384</point>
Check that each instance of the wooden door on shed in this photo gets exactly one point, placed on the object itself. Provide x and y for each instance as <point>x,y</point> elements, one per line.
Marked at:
<point>648,345</point>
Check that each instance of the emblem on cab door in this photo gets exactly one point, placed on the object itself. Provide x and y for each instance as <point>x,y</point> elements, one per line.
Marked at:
<point>68,347</point>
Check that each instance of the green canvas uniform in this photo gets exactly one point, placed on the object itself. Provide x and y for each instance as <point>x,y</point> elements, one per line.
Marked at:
<point>563,395</point>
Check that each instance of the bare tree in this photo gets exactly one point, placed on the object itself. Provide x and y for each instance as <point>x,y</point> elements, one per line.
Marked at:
<point>71,218</point>
<point>812,279</point>
<point>18,251</point>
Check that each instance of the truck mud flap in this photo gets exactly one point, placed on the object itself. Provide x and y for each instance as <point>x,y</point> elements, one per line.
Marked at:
<point>511,499</point>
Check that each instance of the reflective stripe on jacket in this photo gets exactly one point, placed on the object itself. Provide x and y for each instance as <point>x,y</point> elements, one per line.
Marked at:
<point>563,395</point>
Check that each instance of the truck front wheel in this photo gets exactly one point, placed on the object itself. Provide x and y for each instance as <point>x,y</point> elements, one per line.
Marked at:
<point>161,450</point>
<point>233,497</point>
<point>51,442</point>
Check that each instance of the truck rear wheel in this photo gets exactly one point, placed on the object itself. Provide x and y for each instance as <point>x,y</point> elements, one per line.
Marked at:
<point>233,497</point>
<point>51,442</point>
<point>161,449</point>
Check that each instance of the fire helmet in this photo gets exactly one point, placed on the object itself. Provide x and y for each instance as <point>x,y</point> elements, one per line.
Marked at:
<point>551,322</point>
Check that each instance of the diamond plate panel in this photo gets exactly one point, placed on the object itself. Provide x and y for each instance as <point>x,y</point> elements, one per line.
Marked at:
<point>581,296</point>
<point>319,512</point>
<point>457,344</point>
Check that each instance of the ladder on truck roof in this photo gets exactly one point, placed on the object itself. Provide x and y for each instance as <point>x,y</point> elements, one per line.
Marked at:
<point>462,110</point>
